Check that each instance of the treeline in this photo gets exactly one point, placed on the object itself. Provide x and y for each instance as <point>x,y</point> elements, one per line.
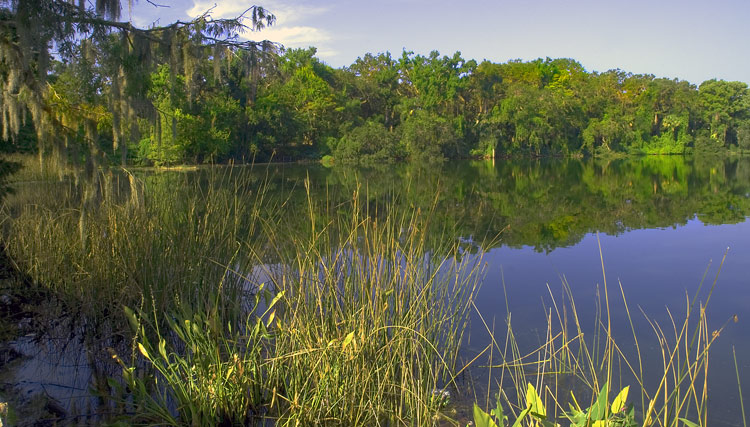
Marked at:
<point>544,203</point>
<point>290,105</point>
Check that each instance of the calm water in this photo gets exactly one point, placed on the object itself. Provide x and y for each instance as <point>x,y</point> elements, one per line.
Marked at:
<point>661,223</point>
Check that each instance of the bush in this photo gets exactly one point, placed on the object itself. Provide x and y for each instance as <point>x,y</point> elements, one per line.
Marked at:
<point>427,136</point>
<point>368,143</point>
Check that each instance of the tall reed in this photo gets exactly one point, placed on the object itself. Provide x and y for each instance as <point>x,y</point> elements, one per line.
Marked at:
<point>119,239</point>
<point>573,371</point>
<point>372,319</point>
<point>363,328</point>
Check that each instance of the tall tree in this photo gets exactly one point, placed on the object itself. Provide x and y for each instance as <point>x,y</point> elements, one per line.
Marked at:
<point>726,108</point>
<point>30,28</point>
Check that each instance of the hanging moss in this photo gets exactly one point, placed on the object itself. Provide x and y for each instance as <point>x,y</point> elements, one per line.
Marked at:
<point>114,52</point>
<point>217,55</point>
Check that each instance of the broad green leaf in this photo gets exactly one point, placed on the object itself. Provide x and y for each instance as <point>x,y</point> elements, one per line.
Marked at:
<point>598,410</point>
<point>134,324</point>
<point>499,414</point>
<point>521,417</point>
<point>482,419</point>
<point>534,403</point>
<point>620,401</point>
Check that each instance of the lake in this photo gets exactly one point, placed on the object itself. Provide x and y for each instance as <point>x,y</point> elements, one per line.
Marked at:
<point>542,228</point>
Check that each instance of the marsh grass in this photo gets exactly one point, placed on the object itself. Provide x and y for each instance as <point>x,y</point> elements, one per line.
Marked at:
<point>239,314</point>
<point>359,325</point>
<point>32,170</point>
<point>139,242</point>
<point>574,372</point>
<point>372,319</point>
<point>245,308</point>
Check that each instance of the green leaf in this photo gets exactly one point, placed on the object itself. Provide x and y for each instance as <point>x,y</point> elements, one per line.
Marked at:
<point>143,351</point>
<point>689,423</point>
<point>534,403</point>
<point>273,302</point>
<point>499,414</point>
<point>134,324</point>
<point>482,419</point>
<point>521,417</point>
<point>620,401</point>
<point>163,349</point>
<point>348,340</point>
<point>598,410</point>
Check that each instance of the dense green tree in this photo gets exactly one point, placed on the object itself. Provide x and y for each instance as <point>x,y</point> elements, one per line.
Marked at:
<point>368,143</point>
<point>192,92</point>
<point>118,56</point>
<point>428,136</point>
<point>725,109</point>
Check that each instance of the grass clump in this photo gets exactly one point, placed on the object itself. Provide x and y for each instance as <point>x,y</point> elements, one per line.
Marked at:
<point>239,315</point>
<point>575,376</point>
<point>97,245</point>
<point>372,321</point>
<point>359,325</point>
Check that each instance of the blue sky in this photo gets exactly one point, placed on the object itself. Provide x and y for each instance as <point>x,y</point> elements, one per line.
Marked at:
<point>687,39</point>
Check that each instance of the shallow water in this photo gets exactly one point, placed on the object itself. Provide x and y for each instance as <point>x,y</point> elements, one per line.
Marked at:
<point>660,222</point>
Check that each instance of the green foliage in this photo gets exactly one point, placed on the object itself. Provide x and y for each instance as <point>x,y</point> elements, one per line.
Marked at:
<point>190,92</point>
<point>534,414</point>
<point>370,142</point>
<point>257,104</point>
<point>212,374</point>
<point>427,137</point>
<point>724,106</point>
<point>603,414</point>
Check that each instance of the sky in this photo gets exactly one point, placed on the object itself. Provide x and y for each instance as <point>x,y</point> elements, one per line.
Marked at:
<point>687,39</point>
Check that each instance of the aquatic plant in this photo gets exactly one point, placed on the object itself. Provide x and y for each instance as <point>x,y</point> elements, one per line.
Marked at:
<point>672,393</point>
<point>360,325</point>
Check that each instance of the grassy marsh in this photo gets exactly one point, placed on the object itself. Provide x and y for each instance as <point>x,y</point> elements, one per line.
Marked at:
<point>218,308</point>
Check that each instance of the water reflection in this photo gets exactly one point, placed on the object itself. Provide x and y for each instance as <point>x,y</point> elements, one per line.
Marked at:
<point>545,204</point>
<point>660,220</point>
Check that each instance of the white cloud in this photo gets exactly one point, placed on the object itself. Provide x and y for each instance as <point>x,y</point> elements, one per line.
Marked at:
<point>285,14</point>
<point>291,28</point>
<point>297,36</point>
